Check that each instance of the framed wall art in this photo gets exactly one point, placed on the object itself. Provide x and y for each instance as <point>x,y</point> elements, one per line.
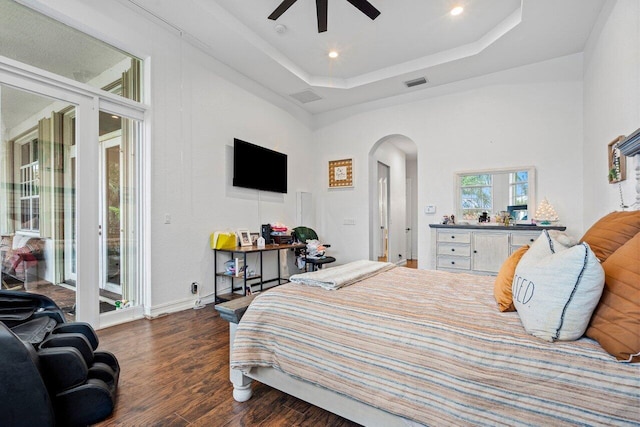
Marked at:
<point>617,162</point>
<point>341,173</point>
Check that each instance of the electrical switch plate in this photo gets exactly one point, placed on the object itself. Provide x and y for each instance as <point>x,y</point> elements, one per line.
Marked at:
<point>349,221</point>
<point>430,209</point>
<point>167,218</point>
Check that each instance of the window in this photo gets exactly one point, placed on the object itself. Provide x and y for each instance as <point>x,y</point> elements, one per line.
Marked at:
<point>476,195</point>
<point>29,187</point>
<point>63,50</point>
<point>518,188</point>
<point>493,191</point>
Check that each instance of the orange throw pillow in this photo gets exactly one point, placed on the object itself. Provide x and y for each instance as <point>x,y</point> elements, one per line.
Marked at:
<point>504,281</point>
<point>612,231</point>
<point>615,323</point>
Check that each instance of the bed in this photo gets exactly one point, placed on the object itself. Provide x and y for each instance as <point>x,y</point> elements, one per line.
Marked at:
<point>423,347</point>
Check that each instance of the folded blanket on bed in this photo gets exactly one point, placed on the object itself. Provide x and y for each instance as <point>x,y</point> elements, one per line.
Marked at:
<point>343,275</point>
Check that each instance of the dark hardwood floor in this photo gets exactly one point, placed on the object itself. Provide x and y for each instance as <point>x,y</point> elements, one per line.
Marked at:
<point>175,372</point>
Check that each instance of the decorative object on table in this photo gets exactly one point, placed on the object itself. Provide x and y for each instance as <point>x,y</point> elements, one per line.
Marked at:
<point>223,240</point>
<point>617,164</point>
<point>504,218</point>
<point>341,173</point>
<point>254,238</point>
<point>280,234</point>
<point>484,217</point>
<point>230,267</point>
<point>260,242</point>
<point>245,237</point>
<point>545,214</point>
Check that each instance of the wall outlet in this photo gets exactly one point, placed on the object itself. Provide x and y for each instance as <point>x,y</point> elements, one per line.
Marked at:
<point>194,288</point>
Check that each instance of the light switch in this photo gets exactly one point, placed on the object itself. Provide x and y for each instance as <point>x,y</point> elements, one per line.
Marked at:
<point>349,221</point>
<point>167,218</point>
<point>430,209</point>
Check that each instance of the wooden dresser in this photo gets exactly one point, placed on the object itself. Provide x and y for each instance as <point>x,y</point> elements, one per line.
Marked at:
<point>478,249</point>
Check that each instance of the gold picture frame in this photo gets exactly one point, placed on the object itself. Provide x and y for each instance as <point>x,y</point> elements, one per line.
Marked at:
<point>341,173</point>
<point>617,170</point>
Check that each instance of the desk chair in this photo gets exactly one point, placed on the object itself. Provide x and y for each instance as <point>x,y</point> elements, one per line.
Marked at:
<point>311,261</point>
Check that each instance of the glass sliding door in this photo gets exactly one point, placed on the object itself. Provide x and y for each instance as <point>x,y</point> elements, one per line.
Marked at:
<point>37,192</point>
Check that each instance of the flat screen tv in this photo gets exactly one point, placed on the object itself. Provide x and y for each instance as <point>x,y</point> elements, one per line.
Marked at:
<point>258,167</point>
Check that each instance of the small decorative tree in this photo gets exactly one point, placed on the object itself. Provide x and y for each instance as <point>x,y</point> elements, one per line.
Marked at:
<point>545,214</point>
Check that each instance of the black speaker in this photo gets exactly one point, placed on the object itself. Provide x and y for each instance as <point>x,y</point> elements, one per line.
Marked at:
<point>266,233</point>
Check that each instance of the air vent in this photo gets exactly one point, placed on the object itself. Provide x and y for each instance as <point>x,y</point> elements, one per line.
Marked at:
<point>305,96</point>
<point>416,82</point>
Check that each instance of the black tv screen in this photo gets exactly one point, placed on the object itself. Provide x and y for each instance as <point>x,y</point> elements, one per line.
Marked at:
<point>258,167</point>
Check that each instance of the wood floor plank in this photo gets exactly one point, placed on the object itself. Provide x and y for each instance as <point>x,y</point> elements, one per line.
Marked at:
<point>175,372</point>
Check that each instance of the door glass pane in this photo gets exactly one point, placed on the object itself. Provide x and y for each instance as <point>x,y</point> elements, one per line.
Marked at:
<point>37,198</point>
<point>64,50</point>
<point>119,137</point>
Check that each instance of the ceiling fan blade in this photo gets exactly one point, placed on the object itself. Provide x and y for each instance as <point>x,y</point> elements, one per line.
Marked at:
<point>321,11</point>
<point>365,7</point>
<point>286,4</point>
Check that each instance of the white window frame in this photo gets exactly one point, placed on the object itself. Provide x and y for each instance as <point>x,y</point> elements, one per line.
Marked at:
<point>26,183</point>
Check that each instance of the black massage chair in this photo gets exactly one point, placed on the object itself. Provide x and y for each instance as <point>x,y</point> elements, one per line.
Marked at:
<point>51,371</point>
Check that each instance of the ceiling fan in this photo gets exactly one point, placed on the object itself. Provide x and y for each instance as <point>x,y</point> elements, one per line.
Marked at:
<point>321,9</point>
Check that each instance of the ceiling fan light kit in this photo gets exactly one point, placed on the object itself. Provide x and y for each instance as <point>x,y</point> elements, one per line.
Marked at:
<point>321,11</point>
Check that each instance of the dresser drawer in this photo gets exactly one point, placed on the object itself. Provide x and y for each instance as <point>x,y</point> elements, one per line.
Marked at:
<point>521,239</point>
<point>459,263</point>
<point>454,236</point>
<point>454,249</point>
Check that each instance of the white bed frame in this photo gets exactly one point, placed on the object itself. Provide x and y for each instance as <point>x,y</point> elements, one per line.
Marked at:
<point>338,404</point>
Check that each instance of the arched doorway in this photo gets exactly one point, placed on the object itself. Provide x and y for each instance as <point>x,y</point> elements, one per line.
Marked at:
<point>393,199</point>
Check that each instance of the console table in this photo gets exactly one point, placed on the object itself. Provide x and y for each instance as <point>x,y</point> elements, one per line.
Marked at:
<point>242,251</point>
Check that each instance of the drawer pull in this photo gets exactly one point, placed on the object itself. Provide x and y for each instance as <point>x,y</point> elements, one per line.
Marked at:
<point>453,250</point>
<point>453,237</point>
<point>532,240</point>
<point>475,252</point>
<point>453,262</point>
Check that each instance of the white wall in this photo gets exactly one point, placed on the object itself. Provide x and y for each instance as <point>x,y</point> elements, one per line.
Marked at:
<point>531,115</point>
<point>611,103</point>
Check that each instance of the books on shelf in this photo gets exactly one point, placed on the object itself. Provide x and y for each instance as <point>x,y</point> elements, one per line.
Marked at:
<point>240,267</point>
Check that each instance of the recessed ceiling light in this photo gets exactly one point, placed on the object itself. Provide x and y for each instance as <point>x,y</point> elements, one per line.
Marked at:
<point>457,10</point>
<point>333,54</point>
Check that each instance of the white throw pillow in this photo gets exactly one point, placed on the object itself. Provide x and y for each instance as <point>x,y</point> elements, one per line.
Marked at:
<point>556,288</point>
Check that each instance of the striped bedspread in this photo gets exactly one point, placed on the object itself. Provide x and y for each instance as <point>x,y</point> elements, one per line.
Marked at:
<point>432,347</point>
